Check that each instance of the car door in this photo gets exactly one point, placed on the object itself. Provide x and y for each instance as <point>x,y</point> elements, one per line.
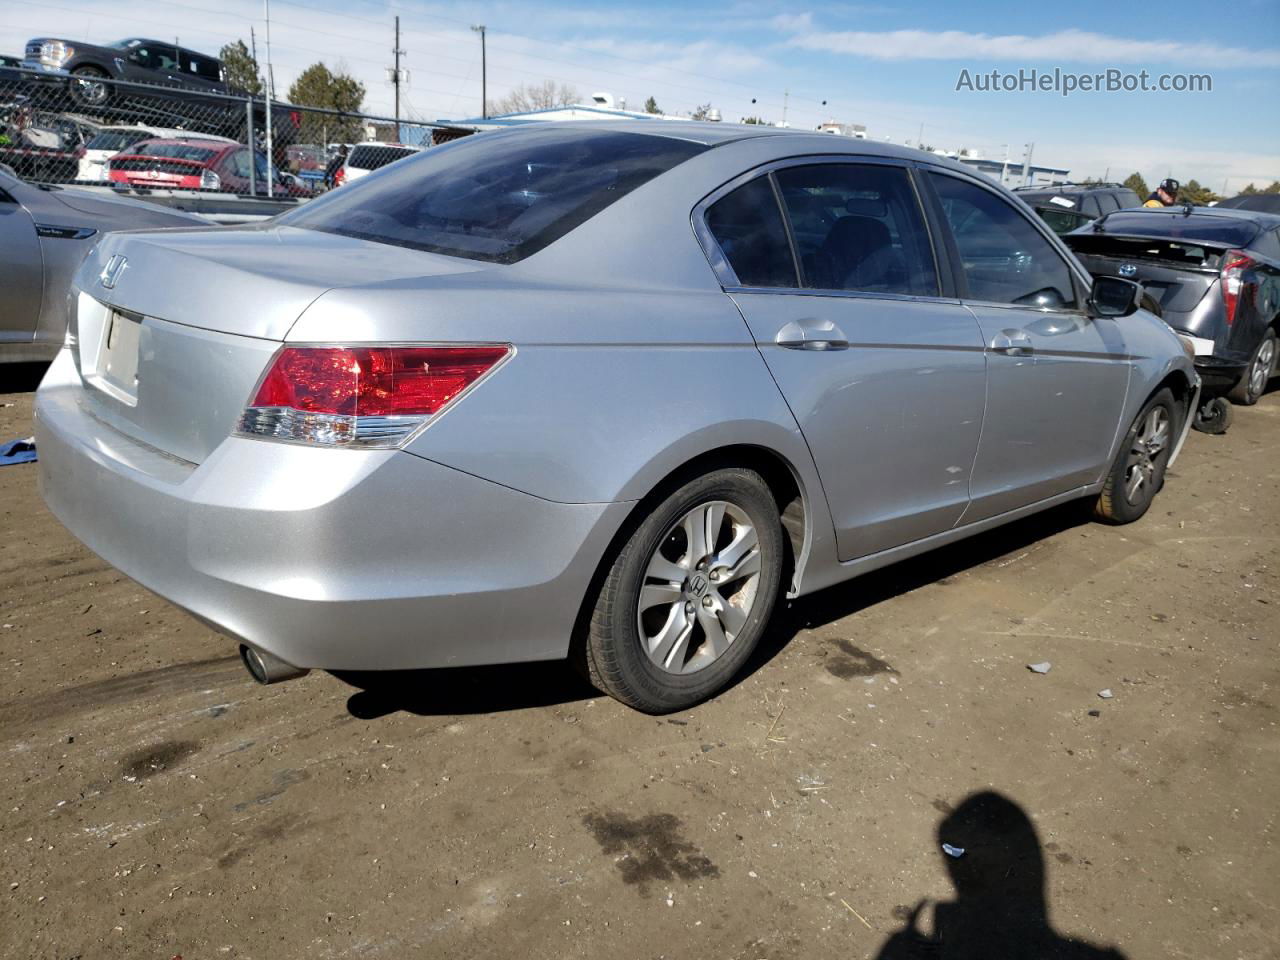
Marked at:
<point>23,272</point>
<point>832,266</point>
<point>1056,378</point>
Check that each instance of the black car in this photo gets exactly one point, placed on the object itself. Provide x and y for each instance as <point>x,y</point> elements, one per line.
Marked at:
<point>1265,202</point>
<point>150,81</point>
<point>1215,274</point>
<point>133,59</point>
<point>1068,206</point>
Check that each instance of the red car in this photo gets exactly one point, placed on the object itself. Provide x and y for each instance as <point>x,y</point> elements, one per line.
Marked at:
<point>190,163</point>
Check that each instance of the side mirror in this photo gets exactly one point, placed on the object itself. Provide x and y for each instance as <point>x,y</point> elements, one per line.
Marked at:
<point>1113,297</point>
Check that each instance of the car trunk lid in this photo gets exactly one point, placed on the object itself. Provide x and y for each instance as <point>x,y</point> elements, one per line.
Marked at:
<point>1177,273</point>
<point>173,330</point>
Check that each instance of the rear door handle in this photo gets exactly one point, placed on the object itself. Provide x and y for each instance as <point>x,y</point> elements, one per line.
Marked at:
<point>810,333</point>
<point>1012,343</point>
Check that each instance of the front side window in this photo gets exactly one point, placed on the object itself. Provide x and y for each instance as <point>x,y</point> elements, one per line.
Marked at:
<point>858,227</point>
<point>747,225</point>
<point>498,197</point>
<point>1005,258</point>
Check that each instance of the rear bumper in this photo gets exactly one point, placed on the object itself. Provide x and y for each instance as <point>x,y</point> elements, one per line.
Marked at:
<point>1218,374</point>
<point>328,559</point>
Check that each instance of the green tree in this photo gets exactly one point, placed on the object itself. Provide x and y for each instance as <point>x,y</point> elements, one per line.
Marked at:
<point>1273,188</point>
<point>1135,183</point>
<point>1249,191</point>
<point>651,106</point>
<point>318,86</point>
<point>756,120</point>
<point>702,111</point>
<point>1193,193</point>
<point>242,68</point>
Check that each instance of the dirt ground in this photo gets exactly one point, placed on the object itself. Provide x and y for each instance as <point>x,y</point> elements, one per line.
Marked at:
<point>158,804</point>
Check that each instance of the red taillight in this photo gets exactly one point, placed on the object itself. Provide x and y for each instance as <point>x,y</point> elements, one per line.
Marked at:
<point>366,396</point>
<point>339,175</point>
<point>1234,264</point>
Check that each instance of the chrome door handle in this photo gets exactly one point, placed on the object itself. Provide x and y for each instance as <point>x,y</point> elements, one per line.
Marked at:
<point>811,334</point>
<point>1012,343</point>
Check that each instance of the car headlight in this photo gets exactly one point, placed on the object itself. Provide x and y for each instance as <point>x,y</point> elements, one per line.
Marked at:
<point>1188,347</point>
<point>56,53</point>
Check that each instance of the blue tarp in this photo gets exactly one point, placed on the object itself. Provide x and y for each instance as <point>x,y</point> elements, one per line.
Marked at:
<point>18,451</point>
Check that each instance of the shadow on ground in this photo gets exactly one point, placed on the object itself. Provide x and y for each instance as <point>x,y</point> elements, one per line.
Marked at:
<point>465,690</point>
<point>936,566</point>
<point>999,911</point>
<point>477,690</point>
<point>21,377</point>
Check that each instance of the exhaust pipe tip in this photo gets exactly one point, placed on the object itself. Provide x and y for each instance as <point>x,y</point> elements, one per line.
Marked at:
<point>264,668</point>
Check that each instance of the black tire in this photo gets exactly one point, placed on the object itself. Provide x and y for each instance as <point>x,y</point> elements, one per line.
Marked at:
<point>1253,383</point>
<point>1116,504</point>
<point>616,657</point>
<point>1213,417</point>
<point>89,93</point>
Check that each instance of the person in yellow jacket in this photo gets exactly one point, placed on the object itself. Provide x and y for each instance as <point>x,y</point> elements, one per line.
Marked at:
<point>1166,195</point>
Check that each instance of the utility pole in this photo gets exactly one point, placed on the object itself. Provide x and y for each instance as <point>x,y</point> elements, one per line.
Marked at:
<point>397,75</point>
<point>268,96</point>
<point>1026,164</point>
<point>1004,168</point>
<point>484,91</point>
<point>786,97</point>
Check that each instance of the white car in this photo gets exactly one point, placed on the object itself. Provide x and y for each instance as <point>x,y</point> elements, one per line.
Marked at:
<point>109,141</point>
<point>365,158</point>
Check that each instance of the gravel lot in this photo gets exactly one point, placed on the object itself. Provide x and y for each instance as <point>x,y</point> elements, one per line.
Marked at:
<point>158,804</point>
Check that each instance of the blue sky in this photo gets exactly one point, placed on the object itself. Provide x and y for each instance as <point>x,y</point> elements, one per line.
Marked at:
<point>892,68</point>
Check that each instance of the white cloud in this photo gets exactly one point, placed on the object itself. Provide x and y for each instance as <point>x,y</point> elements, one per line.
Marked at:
<point>1066,46</point>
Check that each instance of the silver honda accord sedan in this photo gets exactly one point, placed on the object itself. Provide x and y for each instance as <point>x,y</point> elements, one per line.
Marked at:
<point>599,391</point>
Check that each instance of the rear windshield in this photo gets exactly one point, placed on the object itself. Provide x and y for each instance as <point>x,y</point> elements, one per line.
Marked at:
<point>495,196</point>
<point>116,139</point>
<point>178,151</point>
<point>1048,199</point>
<point>375,158</point>
<point>1125,248</point>
<point>1177,226</point>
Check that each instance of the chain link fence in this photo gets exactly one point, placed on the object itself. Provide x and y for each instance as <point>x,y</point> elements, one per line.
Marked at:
<point>183,146</point>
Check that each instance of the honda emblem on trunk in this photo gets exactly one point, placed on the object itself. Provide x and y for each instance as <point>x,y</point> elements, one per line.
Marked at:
<point>111,272</point>
<point>1127,269</point>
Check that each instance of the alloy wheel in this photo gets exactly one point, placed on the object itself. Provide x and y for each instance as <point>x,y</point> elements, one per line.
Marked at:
<point>699,587</point>
<point>1263,363</point>
<point>1149,443</point>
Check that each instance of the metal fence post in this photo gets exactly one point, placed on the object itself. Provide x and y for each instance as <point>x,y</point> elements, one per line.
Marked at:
<point>248,128</point>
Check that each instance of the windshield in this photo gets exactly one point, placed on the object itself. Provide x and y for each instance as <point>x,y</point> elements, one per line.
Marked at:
<point>375,158</point>
<point>1206,228</point>
<point>116,139</point>
<point>495,196</point>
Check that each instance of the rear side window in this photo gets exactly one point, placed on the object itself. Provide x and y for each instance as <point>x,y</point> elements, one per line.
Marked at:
<point>858,227</point>
<point>375,158</point>
<point>747,225</point>
<point>194,64</point>
<point>1127,198</point>
<point>498,197</point>
<point>1005,258</point>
